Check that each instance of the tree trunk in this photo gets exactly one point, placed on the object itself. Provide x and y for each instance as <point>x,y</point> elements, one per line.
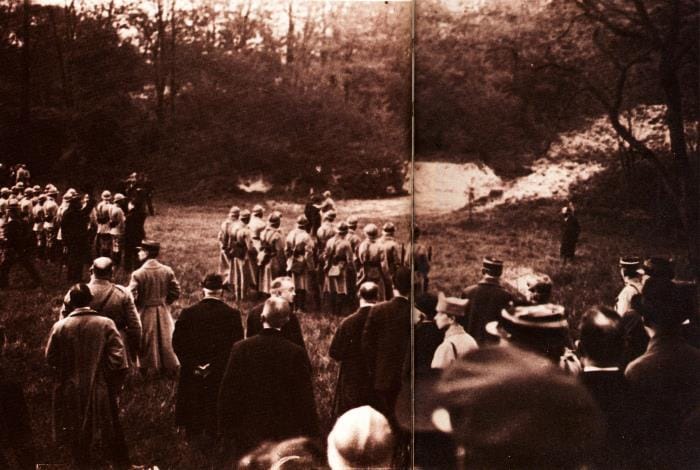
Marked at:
<point>158,65</point>
<point>25,78</point>
<point>172,72</point>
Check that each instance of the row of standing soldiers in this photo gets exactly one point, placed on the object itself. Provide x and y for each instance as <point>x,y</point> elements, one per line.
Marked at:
<point>70,233</point>
<point>327,263</point>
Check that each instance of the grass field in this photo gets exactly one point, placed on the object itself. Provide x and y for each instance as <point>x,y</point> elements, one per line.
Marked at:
<point>188,238</point>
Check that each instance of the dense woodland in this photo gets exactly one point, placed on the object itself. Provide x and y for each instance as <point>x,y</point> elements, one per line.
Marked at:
<point>200,93</point>
<point>497,80</point>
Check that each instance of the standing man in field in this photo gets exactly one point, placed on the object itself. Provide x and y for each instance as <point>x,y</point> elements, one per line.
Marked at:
<point>116,302</point>
<point>282,287</point>
<point>103,242</point>
<point>266,393</point>
<point>224,238</point>
<point>76,238</point>
<point>299,249</point>
<point>339,259</point>
<point>202,340</point>
<point>371,259</point>
<point>392,257</point>
<point>271,260</point>
<point>243,276</point>
<point>486,300</point>
<point>570,231</point>
<point>87,356</point>
<point>19,247</point>
<point>154,287</point>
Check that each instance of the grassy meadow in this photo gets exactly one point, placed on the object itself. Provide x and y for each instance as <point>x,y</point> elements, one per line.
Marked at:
<point>188,237</point>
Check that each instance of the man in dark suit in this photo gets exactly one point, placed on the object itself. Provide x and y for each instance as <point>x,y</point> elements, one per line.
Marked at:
<point>282,287</point>
<point>353,387</point>
<point>486,300</point>
<point>266,393</point>
<point>665,381</point>
<point>19,244</point>
<point>601,347</point>
<point>385,342</point>
<point>202,340</point>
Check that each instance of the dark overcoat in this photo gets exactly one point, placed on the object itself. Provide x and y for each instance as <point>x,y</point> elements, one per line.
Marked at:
<point>353,388</point>
<point>486,301</point>
<point>570,231</point>
<point>266,393</point>
<point>204,334</point>
<point>385,342</point>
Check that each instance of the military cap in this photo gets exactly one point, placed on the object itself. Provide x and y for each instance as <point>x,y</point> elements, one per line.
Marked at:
<point>245,214</point>
<point>630,262</point>
<point>330,215</point>
<point>274,218</point>
<point>492,263</point>
<point>342,227</point>
<point>451,305</point>
<point>213,281</point>
<point>302,221</point>
<point>119,197</point>
<point>20,185</point>
<point>352,221</point>
<point>106,195</point>
<point>371,230</point>
<point>388,228</point>
<point>234,210</point>
<point>80,295</point>
<point>149,245</point>
<point>258,209</point>
<point>36,188</point>
<point>42,196</point>
<point>5,191</point>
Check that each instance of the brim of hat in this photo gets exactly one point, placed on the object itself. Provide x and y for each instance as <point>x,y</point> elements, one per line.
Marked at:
<point>495,330</point>
<point>415,406</point>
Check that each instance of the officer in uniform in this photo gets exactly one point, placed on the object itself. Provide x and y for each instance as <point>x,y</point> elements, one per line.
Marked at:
<point>370,256</point>
<point>392,258</point>
<point>486,300</point>
<point>339,259</point>
<point>50,215</point>
<point>271,259</point>
<point>224,238</point>
<point>299,249</point>
<point>324,233</point>
<point>25,204</point>
<point>103,241</point>
<point>242,275</point>
<point>39,217</point>
<point>117,222</point>
<point>19,247</point>
<point>631,273</point>
<point>570,231</point>
<point>257,224</point>
<point>422,257</point>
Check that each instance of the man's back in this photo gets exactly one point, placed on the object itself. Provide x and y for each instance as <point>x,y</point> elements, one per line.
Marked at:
<point>266,393</point>
<point>291,330</point>
<point>486,300</point>
<point>665,385</point>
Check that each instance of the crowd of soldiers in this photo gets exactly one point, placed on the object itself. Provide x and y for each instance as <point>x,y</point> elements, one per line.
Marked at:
<point>488,378</point>
<point>326,259</point>
<point>69,231</point>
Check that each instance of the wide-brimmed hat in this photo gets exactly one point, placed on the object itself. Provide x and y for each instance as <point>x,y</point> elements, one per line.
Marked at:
<point>530,319</point>
<point>505,404</point>
<point>451,305</point>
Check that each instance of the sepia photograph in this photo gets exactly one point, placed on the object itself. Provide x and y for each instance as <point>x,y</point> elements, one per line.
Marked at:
<point>195,195</point>
<point>349,234</point>
<point>556,191</point>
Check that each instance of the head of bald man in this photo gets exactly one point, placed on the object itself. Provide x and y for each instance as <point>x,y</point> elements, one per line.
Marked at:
<point>102,268</point>
<point>276,312</point>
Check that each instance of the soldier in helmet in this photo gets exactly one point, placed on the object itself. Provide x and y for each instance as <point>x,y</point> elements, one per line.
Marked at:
<point>103,240</point>
<point>50,215</point>
<point>224,238</point>
<point>371,259</point>
<point>256,224</point>
<point>117,223</point>
<point>422,256</point>
<point>355,238</point>
<point>25,204</point>
<point>19,246</point>
<point>299,249</point>
<point>312,212</point>
<point>339,258</point>
<point>271,259</point>
<point>393,256</point>
<point>242,275</point>
<point>39,217</point>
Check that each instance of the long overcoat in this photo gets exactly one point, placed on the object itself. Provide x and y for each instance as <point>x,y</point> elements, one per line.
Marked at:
<point>154,288</point>
<point>203,337</point>
<point>266,393</point>
<point>86,352</point>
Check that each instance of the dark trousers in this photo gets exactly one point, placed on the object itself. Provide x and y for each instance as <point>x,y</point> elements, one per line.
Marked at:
<point>75,259</point>
<point>23,259</point>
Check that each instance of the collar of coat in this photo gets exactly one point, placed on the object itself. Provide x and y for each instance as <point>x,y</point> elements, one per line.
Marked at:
<point>490,280</point>
<point>151,263</point>
<point>82,311</point>
<point>271,332</point>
